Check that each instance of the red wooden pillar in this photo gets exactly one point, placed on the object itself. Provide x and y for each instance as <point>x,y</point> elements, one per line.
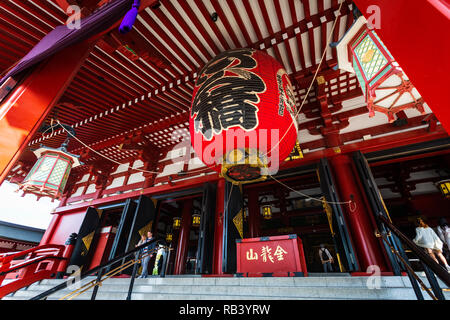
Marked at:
<point>27,106</point>
<point>51,229</point>
<point>362,229</point>
<point>183,238</point>
<point>218,228</point>
<point>253,213</point>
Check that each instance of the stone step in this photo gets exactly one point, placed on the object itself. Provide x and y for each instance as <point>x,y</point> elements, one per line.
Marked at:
<point>228,291</point>
<point>269,281</point>
<point>188,288</point>
<point>140,296</point>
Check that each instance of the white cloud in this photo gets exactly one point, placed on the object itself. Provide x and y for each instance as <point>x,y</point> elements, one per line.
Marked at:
<point>24,210</point>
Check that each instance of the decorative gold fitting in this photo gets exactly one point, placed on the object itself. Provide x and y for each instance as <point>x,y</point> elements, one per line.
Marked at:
<point>245,156</point>
<point>320,80</point>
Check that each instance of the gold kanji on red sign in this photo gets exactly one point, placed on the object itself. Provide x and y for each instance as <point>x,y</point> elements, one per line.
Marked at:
<point>251,255</point>
<point>279,252</point>
<point>266,253</point>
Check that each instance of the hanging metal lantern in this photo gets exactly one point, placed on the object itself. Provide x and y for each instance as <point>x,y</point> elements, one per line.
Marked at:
<point>243,104</point>
<point>267,212</point>
<point>169,237</point>
<point>176,223</point>
<point>48,176</point>
<point>196,218</point>
<point>444,187</point>
<point>386,87</point>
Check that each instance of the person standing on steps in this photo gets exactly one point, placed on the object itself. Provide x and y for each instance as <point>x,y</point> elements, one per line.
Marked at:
<point>147,256</point>
<point>443,231</point>
<point>140,243</point>
<point>326,259</point>
<point>429,240</point>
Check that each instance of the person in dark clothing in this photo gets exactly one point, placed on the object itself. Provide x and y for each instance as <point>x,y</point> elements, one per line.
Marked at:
<point>326,259</point>
<point>147,256</point>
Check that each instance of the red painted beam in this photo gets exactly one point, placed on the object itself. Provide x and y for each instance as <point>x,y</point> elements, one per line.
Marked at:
<point>359,134</point>
<point>152,191</point>
<point>375,144</point>
<point>409,158</point>
<point>22,114</point>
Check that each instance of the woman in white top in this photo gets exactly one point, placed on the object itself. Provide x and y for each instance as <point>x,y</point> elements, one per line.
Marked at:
<point>429,240</point>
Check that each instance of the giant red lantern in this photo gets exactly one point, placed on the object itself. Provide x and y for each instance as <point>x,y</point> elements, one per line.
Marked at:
<point>242,119</point>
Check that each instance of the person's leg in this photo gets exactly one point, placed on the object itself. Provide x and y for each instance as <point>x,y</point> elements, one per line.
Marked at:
<point>330,266</point>
<point>324,267</point>
<point>441,257</point>
<point>145,267</point>
<point>431,254</point>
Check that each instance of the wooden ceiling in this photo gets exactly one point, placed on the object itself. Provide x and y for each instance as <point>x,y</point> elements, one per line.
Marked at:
<point>115,95</point>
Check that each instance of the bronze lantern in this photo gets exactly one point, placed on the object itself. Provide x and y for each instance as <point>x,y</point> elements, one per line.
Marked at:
<point>196,218</point>
<point>444,187</point>
<point>267,212</point>
<point>176,223</point>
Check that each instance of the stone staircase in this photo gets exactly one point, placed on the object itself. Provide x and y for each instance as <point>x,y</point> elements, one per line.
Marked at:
<point>232,288</point>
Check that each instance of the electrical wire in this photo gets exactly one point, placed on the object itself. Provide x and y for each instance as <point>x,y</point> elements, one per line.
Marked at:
<point>312,81</point>
<point>278,142</point>
<point>101,154</point>
<point>349,203</point>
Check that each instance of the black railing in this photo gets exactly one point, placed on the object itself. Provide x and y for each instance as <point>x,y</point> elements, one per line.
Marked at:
<point>431,267</point>
<point>99,270</point>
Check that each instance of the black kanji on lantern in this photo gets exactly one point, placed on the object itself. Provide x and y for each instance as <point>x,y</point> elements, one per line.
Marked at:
<point>287,98</point>
<point>228,94</point>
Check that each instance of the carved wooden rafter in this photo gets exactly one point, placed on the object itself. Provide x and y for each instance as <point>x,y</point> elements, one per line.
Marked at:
<point>331,127</point>
<point>101,170</point>
<point>134,47</point>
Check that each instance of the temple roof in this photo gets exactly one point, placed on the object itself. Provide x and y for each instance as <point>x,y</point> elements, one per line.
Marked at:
<point>141,85</point>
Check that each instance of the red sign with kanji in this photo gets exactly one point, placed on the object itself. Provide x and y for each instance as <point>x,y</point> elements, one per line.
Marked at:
<point>271,255</point>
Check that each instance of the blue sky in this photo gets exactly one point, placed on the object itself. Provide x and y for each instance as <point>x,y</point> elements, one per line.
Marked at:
<point>24,211</point>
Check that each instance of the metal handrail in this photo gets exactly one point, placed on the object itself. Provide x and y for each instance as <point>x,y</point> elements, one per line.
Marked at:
<point>408,267</point>
<point>101,278</point>
<point>425,258</point>
<point>95,270</point>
